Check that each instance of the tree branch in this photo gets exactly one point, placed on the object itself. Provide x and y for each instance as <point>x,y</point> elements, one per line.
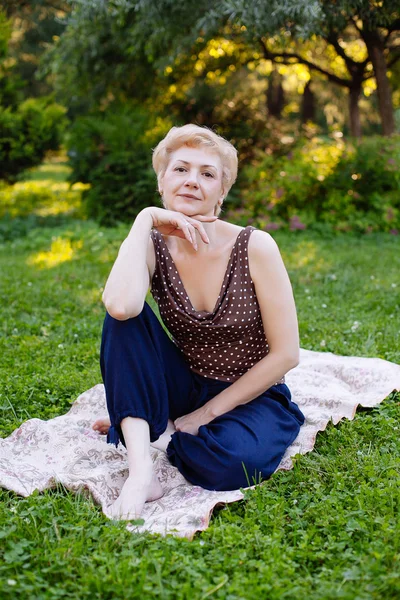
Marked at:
<point>332,39</point>
<point>395,26</point>
<point>287,56</point>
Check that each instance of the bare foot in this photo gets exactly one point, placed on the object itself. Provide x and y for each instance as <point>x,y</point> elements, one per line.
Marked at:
<point>102,425</point>
<point>140,487</point>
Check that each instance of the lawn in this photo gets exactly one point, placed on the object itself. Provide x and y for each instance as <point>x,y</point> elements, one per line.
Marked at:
<point>326,529</point>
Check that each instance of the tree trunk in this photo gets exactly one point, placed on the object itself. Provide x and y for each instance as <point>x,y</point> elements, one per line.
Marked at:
<point>375,47</point>
<point>354,109</point>
<point>308,104</point>
<point>275,95</point>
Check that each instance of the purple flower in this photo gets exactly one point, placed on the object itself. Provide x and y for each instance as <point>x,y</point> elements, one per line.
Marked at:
<point>272,226</point>
<point>394,231</point>
<point>295,223</point>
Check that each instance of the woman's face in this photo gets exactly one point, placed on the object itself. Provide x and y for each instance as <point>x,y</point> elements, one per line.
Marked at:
<point>192,183</point>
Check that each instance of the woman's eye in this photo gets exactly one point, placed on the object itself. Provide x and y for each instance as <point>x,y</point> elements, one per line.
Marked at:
<point>180,169</point>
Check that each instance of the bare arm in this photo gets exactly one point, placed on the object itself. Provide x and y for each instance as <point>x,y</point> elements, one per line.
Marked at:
<point>278,312</point>
<point>127,285</point>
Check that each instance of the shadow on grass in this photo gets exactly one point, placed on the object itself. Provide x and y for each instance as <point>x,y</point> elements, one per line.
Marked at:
<point>12,228</point>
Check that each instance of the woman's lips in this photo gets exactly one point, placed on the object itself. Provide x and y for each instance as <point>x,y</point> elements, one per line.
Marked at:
<point>189,196</point>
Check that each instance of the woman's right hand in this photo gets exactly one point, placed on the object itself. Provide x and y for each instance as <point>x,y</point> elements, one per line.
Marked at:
<point>171,222</point>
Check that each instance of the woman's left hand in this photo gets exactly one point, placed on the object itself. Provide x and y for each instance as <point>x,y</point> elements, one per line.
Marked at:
<point>190,423</point>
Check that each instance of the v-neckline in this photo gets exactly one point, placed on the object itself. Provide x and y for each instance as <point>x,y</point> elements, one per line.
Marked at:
<point>205,312</point>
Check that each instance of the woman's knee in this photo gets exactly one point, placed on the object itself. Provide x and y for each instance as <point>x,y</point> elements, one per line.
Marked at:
<point>211,468</point>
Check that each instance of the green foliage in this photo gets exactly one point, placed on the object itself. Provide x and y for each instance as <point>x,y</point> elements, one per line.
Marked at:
<point>36,25</point>
<point>351,187</point>
<point>5,34</point>
<point>98,58</point>
<point>112,152</point>
<point>27,133</point>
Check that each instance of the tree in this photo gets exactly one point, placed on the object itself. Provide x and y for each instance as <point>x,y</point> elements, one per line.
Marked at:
<point>165,28</point>
<point>36,24</point>
<point>96,61</point>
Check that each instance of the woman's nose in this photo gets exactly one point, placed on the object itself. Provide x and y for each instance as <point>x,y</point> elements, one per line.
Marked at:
<point>192,180</point>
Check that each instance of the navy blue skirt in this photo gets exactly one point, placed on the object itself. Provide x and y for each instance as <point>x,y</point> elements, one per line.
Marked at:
<point>146,376</point>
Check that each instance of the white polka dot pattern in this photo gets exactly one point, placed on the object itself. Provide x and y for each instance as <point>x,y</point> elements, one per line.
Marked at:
<point>222,344</point>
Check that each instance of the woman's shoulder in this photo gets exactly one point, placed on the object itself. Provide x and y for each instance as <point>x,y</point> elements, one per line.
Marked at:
<point>261,241</point>
<point>262,249</point>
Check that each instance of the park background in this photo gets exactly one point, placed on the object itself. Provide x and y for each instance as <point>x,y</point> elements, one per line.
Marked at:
<point>308,91</point>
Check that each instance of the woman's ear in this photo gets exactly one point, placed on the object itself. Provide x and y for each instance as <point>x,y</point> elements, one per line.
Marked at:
<point>160,182</point>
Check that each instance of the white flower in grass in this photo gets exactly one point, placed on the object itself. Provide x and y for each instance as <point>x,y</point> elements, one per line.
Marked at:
<point>323,305</point>
<point>372,277</point>
<point>322,343</point>
<point>11,582</point>
<point>355,325</point>
<point>394,285</point>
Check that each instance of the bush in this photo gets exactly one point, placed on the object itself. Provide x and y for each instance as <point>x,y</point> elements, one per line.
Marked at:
<point>352,186</point>
<point>113,152</point>
<point>27,133</point>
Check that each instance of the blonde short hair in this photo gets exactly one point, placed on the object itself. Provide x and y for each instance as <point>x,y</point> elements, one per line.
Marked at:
<point>195,136</point>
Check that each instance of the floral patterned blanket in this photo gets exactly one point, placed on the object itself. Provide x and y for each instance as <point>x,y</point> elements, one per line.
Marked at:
<point>39,454</point>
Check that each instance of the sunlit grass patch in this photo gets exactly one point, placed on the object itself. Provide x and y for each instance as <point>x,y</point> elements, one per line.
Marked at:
<point>43,192</point>
<point>62,249</point>
<point>49,171</point>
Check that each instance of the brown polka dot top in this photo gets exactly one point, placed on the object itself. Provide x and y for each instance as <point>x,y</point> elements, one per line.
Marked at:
<point>222,344</point>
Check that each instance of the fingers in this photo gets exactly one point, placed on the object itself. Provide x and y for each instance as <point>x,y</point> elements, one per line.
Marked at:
<point>189,232</point>
<point>197,225</point>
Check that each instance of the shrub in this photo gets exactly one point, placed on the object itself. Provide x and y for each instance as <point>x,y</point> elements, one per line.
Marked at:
<point>352,186</point>
<point>27,133</point>
<point>112,152</point>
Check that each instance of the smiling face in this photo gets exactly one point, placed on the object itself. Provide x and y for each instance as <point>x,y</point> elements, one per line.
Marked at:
<point>192,183</point>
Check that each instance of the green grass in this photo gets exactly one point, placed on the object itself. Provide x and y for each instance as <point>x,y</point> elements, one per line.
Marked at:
<point>326,529</point>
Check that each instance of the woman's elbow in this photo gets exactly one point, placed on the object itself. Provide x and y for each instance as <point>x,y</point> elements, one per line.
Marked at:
<point>294,360</point>
<point>118,312</point>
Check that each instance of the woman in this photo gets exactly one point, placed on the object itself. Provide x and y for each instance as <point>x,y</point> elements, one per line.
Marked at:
<point>214,396</point>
